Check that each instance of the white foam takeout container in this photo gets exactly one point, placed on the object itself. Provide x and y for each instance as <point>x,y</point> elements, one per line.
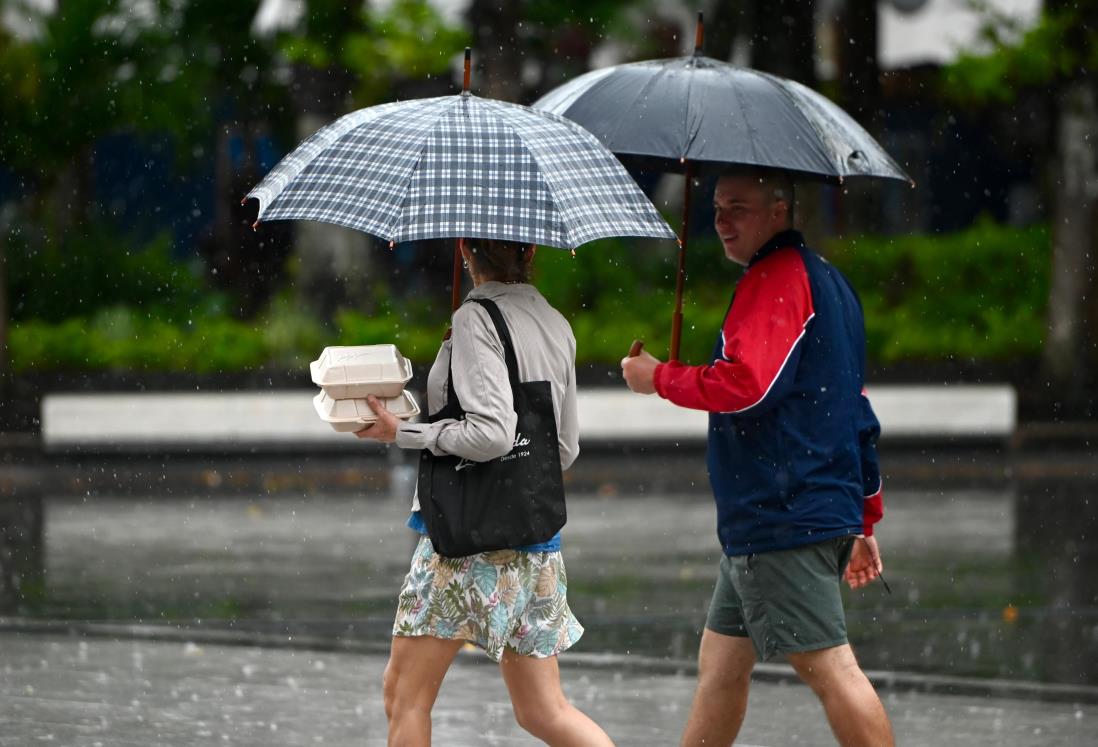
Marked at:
<point>349,415</point>
<point>354,371</point>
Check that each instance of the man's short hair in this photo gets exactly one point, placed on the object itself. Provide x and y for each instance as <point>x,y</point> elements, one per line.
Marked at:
<point>776,184</point>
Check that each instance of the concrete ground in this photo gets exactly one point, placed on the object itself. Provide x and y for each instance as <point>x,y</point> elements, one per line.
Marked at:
<point>90,692</point>
<point>640,570</point>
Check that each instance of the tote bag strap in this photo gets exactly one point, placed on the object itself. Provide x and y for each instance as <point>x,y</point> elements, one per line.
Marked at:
<point>508,352</point>
<point>504,337</point>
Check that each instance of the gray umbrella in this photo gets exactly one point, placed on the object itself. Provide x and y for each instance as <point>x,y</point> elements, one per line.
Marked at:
<point>680,113</point>
<point>697,109</point>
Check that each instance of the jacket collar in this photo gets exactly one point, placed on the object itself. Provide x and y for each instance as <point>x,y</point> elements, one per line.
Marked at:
<point>494,289</point>
<point>780,240</point>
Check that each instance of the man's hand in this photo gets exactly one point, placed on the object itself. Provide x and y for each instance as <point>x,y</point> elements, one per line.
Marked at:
<point>865,562</point>
<point>638,372</point>
<point>385,428</point>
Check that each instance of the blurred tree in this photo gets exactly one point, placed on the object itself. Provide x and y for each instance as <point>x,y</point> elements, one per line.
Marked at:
<point>239,77</point>
<point>89,69</point>
<point>725,23</point>
<point>1058,57</point>
<point>345,56</point>
<point>522,48</point>
<point>783,38</point>
<point>858,75</point>
<point>86,69</point>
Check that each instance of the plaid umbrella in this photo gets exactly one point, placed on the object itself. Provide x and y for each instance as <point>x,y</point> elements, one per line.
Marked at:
<point>459,166</point>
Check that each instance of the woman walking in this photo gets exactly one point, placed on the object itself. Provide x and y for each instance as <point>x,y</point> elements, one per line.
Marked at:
<point>511,602</point>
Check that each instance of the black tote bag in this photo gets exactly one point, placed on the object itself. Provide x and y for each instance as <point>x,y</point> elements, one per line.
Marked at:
<point>515,500</point>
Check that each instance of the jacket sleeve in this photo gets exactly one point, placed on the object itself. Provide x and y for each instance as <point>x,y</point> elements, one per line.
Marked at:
<point>479,377</point>
<point>568,427</point>
<point>760,343</point>
<point>869,430</point>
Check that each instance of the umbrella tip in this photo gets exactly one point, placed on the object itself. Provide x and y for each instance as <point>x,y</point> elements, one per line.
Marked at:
<point>255,226</point>
<point>573,254</point>
<point>391,244</point>
<point>243,200</point>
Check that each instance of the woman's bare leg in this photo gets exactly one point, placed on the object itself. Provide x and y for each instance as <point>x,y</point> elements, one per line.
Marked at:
<point>411,682</point>
<point>540,705</point>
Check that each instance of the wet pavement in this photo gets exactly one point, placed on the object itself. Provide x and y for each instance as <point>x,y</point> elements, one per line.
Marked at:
<point>973,593</point>
<point>107,693</point>
<point>156,585</point>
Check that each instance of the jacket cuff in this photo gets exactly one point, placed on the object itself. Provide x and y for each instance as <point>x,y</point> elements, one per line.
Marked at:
<point>872,512</point>
<point>412,436</point>
<point>659,377</point>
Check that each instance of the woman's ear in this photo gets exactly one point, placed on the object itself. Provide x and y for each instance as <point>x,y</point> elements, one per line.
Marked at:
<point>465,252</point>
<point>533,250</point>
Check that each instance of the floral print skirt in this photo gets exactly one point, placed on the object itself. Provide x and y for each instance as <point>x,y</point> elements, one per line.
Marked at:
<point>504,598</point>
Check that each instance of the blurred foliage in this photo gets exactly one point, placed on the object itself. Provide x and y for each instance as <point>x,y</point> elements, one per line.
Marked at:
<point>406,38</point>
<point>925,298</point>
<point>84,272</point>
<point>977,294</point>
<point>1015,58</point>
<point>97,67</point>
<point>617,290</point>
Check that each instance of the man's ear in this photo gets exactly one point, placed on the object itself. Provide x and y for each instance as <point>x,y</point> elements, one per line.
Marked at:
<point>783,212</point>
<point>533,251</point>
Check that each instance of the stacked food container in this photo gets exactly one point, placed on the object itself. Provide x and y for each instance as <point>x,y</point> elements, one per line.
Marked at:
<point>346,375</point>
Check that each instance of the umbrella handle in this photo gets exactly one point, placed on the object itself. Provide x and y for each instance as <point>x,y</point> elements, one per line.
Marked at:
<point>635,348</point>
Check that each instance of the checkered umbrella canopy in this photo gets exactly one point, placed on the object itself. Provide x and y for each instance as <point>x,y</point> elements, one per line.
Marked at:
<point>459,166</point>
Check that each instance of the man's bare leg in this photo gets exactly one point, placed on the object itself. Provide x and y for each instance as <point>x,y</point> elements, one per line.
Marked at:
<point>720,701</point>
<point>856,715</point>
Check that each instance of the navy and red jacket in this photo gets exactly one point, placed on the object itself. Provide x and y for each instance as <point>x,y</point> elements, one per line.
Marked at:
<point>792,438</point>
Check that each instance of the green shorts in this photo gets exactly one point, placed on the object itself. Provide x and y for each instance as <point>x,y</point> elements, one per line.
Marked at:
<point>785,601</point>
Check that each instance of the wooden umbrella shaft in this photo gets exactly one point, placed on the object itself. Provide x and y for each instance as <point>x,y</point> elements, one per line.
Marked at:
<point>680,279</point>
<point>455,295</point>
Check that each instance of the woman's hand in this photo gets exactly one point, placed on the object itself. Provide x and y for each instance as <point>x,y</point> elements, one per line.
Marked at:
<point>384,430</point>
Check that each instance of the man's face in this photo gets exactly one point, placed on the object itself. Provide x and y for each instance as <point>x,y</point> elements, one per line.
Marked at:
<point>746,216</point>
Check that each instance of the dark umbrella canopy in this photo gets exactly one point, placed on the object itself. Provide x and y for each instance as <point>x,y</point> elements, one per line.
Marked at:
<point>702,110</point>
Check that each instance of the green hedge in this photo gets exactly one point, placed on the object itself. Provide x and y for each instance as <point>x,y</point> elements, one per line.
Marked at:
<point>979,294</point>
<point>97,268</point>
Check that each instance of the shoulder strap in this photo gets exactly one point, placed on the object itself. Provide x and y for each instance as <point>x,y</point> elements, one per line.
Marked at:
<point>504,336</point>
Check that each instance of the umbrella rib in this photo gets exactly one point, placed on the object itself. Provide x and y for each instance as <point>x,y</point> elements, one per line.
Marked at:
<point>820,135</point>
<point>689,137</point>
<point>662,70</point>
<point>279,176</point>
<point>747,123</point>
<point>415,167</point>
<point>565,228</point>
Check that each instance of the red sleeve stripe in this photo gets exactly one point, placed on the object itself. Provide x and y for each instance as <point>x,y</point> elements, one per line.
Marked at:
<point>781,368</point>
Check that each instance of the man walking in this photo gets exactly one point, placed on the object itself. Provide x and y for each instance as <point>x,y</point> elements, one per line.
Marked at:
<point>793,466</point>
